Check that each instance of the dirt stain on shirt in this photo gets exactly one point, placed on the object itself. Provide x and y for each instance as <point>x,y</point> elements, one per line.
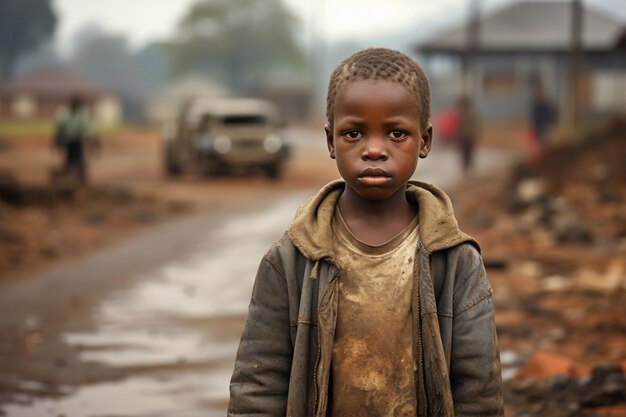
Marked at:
<point>372,364</point>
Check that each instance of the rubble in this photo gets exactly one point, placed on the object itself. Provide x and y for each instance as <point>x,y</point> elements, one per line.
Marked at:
<point>553,235</point>
<point>564,393</point>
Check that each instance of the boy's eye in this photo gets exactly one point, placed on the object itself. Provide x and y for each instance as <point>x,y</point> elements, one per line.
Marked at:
<point>352,134</point>
<point>397,135</point>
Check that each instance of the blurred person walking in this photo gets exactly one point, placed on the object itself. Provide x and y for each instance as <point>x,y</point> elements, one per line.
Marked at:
<point>467,131</point>
<point>542,114</point>
<point>73,129</point>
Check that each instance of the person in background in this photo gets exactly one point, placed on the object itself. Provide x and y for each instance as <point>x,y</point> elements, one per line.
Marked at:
<point>467,132</point>
<point>543,115</point>
<point>72,131</point>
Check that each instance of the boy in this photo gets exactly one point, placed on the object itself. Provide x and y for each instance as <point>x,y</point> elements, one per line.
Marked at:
<point>373,303</point>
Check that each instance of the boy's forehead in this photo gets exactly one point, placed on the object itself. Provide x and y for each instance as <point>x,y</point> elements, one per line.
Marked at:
<point>367,84</point>
<point>380,102</point>
<point>360,89</point>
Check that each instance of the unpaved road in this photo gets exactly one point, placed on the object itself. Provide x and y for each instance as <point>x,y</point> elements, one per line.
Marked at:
<point>149,327</point>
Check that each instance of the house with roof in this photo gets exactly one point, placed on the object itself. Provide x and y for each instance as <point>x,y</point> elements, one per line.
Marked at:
<point>524,45</point>
<point>40,94</point>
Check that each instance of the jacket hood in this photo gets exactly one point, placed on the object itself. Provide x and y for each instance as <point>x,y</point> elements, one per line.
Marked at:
<point>311,231</point>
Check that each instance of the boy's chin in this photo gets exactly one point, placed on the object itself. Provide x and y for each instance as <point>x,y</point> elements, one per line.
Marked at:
<point>375,193</point>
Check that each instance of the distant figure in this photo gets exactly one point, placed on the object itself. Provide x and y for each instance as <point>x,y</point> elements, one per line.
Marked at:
<point>467,131</point>
<point>543,115</point>
<point>447,124</point>
<point>73,129</point>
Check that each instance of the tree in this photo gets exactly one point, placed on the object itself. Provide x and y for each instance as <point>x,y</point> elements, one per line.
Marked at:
<point>107,59</point>
<point>44,56</point>
<point>239,42</point>
<point>24,25</point>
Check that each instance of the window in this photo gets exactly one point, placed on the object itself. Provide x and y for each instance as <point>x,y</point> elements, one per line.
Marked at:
<point>244,119</point>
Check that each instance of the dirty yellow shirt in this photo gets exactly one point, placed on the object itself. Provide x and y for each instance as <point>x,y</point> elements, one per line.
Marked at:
<point>372,362</point>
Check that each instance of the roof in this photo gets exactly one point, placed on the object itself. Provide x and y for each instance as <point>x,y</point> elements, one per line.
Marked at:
<point>53,83</point>
<point>531,26</point>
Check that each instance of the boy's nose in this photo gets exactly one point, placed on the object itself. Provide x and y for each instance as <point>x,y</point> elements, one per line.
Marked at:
<point>374,149</point>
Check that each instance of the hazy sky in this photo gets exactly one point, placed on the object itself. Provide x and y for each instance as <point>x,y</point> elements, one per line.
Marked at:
<point>145,20</point>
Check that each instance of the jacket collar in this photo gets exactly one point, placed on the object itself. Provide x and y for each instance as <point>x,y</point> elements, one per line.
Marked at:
<point>311,231</point>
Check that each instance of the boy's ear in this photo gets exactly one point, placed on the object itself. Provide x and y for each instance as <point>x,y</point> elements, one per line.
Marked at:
<point>330,141</point>
<point>427,141</point>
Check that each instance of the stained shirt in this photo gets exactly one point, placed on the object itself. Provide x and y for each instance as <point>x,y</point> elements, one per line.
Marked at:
<point>372,361</point>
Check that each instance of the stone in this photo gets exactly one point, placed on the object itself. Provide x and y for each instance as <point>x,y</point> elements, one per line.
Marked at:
<point>544,365</point>
<point>571,228</point>
<point>531,190</point>
<point>607,386</point>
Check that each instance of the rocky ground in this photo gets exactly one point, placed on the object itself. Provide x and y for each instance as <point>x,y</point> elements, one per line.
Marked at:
<point>553,233</point>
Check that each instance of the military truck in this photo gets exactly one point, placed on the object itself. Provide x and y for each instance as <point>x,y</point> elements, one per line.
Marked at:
<point>220,136</point>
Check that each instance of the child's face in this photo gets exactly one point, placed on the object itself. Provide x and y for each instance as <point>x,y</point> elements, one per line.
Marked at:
<point>376,138</point>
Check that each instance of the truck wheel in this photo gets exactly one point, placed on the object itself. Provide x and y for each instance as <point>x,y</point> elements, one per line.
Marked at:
<point>172,168</point>
<point>273,171</point>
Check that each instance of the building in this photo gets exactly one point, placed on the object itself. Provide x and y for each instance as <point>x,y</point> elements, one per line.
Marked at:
<point>40,94</point>
<point>526,44</point>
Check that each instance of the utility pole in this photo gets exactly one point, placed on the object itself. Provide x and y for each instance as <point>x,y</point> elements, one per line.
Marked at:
<point>470,58</point>
<point>574,64</point>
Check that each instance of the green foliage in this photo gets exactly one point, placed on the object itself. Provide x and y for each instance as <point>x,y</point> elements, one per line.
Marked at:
<point>24,25</point>
<point>238,42</point>
<point>13,129</point>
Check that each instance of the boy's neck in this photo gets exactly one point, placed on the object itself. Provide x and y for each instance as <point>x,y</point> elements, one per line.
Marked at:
<point>375,222</point>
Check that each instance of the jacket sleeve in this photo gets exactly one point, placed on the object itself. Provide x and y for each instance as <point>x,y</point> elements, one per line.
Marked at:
<point>475,374</point>
<point>260,380</point>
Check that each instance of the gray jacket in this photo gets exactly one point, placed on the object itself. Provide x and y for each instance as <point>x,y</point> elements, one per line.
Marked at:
<point>283,362</point>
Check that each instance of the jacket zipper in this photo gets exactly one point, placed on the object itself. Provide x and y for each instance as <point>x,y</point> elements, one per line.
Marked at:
<point>316,391</point>
<point>420,346</point>
<point>317,363</point>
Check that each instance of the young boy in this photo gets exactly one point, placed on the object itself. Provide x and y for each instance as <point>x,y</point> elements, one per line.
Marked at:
<point>373,303</point>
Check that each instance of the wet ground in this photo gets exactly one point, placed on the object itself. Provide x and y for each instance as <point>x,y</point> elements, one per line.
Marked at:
<point>169,326</point>
<point>150,326</point>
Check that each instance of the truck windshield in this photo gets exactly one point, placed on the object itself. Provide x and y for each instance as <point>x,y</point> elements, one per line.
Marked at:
<point>244,119</point>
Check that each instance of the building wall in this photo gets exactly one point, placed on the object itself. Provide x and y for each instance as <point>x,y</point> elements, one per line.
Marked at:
<point>504,84</point>
<point>608,91</point>
<point>107,110</point>
<point>23,107</point>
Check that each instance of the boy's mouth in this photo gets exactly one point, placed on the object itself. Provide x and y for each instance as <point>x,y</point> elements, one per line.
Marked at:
<point>374,176</point>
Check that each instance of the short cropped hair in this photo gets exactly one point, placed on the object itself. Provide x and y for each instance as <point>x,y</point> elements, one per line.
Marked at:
<point>381,64</point>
